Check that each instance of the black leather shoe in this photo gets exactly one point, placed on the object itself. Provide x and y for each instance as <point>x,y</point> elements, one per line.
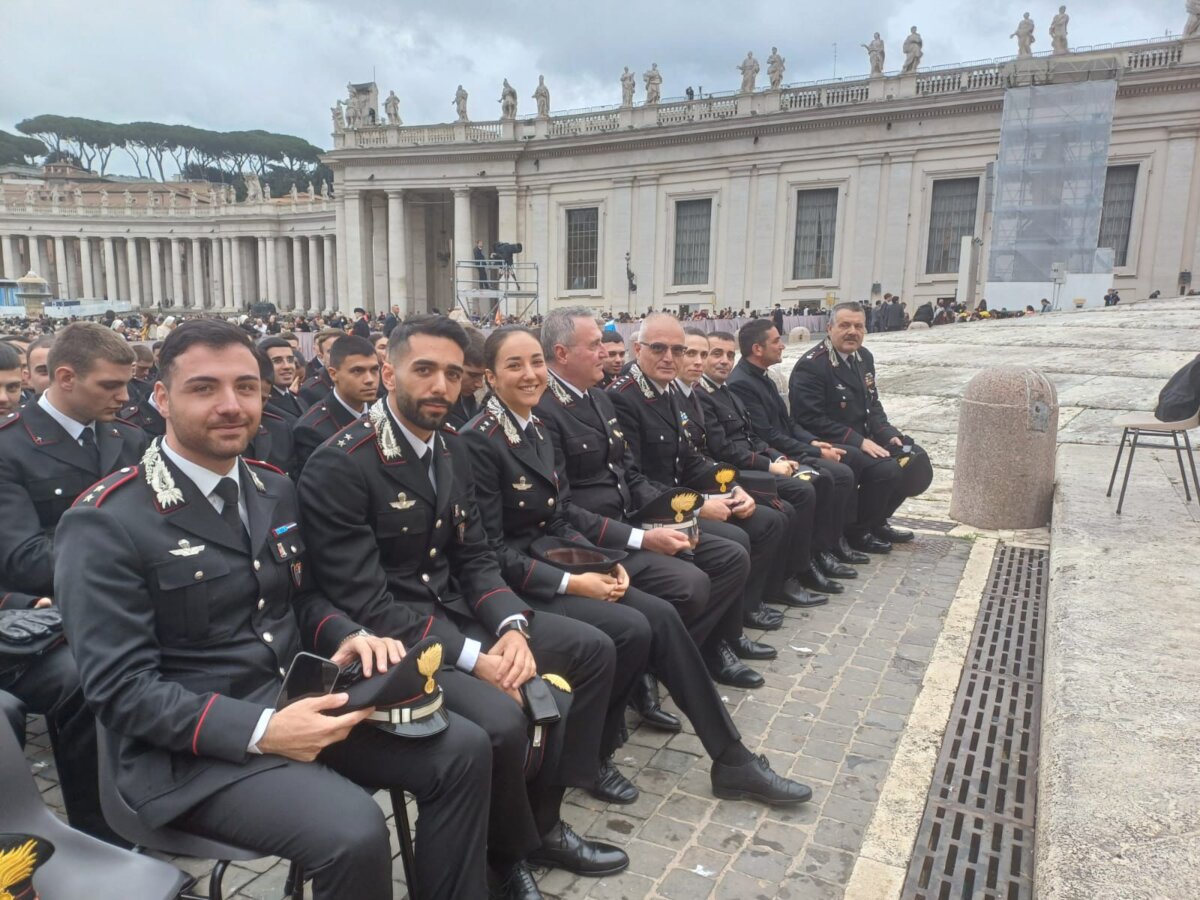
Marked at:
<point>829,565</point>
<point>764,619</point>
<point>646,703</point>
<point>814,579</point>
<point>795,596</point>
<point>726,668</point>
<point>744,648</point>
<point>756,780</point>
<point>518,884</point>
<point>892,534</point>
<point>562,848</point>
<point>611,786</point>
<point>868,543</point>
<point>848,554</point>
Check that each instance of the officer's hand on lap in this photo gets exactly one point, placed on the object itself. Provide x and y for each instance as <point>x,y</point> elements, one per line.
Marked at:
<point>741,505</point>
<point>622,585</point>
<point>593,584</point>
<point>871,448</point>
<point>43,603</point>
<point>715,508</point>
<point>517,664</point>
<point>375,653</point>
<point>828,451</point>
<point>487,668</point>
<point>896,442</point>
<point>302,730</point>
<point>782,467</point>
<point>665,540</point>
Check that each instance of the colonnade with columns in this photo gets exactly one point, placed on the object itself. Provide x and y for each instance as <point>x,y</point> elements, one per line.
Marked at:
<point>198,272</point>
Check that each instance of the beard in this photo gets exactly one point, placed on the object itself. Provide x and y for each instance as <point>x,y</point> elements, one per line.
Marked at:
<point>410,408</point>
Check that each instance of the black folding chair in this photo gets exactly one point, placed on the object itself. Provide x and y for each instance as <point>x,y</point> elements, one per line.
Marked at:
<point>1138,425</point>
<point>81,866</point>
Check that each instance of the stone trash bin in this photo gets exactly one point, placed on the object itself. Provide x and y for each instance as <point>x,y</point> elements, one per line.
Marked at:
<point>1007,435</point>
<point>918,326</point>
<point>798,335</point>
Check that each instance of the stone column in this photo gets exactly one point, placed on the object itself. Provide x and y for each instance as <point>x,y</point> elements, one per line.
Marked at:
<point>507,219</point>
<point>645,242</point>
<point>352,271</point>
<point>10,257</point>
<point>226,273</point>
<point>216,277</point>
<point>342,228</point>
<point>110,269</point>
<point>260,267</point>
<point>177,272</point>
<point>135,280</point>
<point>376,289</point>
<point>299,291</point>
<point>619,232</point>
<point>272,294</point>
<point>330,293</point>
<point>397,263</point>
<point>85,264</point>
<point>122,257</point>
<point>462,227</point>
<point>763,275</point>
<point>156,273</point>
<point>196,263</point>
<point>314,273</point>
<point>60,268</point>
<point>36,263</point>
<point>237,299</point>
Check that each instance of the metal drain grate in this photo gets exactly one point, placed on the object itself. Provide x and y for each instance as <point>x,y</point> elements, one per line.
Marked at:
<point>976,837</point>
<point>923,524</point>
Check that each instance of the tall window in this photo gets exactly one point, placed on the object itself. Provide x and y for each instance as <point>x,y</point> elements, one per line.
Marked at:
<point>1119,188</point>
<point>816,219</point>
<point>583,235</point>
<point>951,218</point>
<point>693,227</point>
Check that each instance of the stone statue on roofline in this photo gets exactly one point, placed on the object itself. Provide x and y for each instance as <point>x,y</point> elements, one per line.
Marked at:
<point>542,96</point>
<point>1191,28</point>
<point>339,119</point>
<point>775,67</point>
<point>876,53</point>
<point>508,101</point>
<point>914,49</point>
<point>391,107</point>
<point>55,197</point>
<point>460,103</point>
<point>1058,32</point>
<point>653,80</point>
<point>629,84</point>
<point>1024,36</point>
<point>749,69</point>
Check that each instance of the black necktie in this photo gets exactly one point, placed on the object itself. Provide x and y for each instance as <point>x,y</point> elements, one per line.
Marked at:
<point>87,438</point>
<point>227,490</point>
<point>427,464</point>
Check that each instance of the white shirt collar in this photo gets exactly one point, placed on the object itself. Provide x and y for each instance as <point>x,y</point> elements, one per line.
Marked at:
<point>347,406</point>
<point>71,426</point>
<point>204,479</point>
<point>153,403</point>
<point>683,388</point>
<point>523,423</point>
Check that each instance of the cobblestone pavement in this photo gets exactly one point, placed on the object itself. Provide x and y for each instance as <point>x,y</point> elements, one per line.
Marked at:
<point>831,715</point>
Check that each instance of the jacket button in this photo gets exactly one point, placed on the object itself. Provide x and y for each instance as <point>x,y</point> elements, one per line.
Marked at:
<point>282,672</point>
<point>432,552</point>
<point>268,637</point>
<point>541,524</point>
<point>262,602</point>
<point>550,502</point>
<point>437,524</point>
<point>58,492</point>
<point>425,577</point>
<point>257,565</point>
<point>198,575</point>
<point>585,446</point>
<point>521,503</point>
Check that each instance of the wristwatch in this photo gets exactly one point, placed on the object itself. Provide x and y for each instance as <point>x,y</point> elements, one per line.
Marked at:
<point>516,625</point>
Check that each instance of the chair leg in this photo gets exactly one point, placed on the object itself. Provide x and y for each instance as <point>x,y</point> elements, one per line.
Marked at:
<point>404,831</point>
<point>1116,465</point>
<point>1182,472</point>
<point>1187,443</point>
<point>214,880</point>
<point>293,888</point>
<point>1128,465</point>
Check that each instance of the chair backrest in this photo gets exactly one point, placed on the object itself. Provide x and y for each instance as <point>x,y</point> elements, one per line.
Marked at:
<point>22,806</point>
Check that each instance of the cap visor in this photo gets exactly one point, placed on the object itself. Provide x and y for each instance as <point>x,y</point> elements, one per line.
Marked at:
<point>436,723</point>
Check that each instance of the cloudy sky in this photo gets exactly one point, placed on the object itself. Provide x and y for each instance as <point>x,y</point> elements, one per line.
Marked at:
<point>280,64</point>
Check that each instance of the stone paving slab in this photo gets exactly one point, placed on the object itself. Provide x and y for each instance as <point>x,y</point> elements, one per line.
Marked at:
<point>832,713</point>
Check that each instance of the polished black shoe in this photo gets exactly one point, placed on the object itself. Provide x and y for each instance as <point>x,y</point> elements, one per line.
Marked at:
<point>868,543</point>
<point>756,780</point>
<point>744,648</point>
<point>795,596</point>
<point>646,703</point>
<point>562,848</point>
<point>814,579</point>
<point>829,565</point>
<point>892,534</point>
<point>764,619</point>
<point>726,668</point>
<point>518,884</point>
<point>848,554</point>
<point>611,786</point>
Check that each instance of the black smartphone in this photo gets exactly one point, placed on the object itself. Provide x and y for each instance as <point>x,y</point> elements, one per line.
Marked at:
<point>309,675</point>
<point>539,702</point>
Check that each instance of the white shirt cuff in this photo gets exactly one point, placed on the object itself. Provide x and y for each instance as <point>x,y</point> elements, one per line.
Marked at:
<point>515,617</point>
<point>562,585</point>
<point>468,656</point>
<point>635,538</point>
<point>259,730</point>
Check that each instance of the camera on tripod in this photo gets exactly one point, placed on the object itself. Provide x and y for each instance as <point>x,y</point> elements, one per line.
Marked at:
<point>505,252</point>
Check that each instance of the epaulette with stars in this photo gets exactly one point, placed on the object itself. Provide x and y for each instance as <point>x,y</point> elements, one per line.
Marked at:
<point>353,436</point>
<point>98,492</point>
<point>621,382</point>
<point>448,428</point>
<point>10,419</point>
<point>820,350</point>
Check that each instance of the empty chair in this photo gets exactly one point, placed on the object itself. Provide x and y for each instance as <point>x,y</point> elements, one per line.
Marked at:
<point>1138,425</point>
<point>81,866</point>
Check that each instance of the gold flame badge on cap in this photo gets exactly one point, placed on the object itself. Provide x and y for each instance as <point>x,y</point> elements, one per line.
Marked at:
<point>428,663</point>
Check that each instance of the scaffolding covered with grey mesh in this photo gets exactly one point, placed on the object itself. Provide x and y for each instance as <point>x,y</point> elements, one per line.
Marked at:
<point>1049,181</point>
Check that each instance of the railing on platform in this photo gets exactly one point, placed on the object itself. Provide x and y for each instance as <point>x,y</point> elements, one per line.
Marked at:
<point>491,289</point>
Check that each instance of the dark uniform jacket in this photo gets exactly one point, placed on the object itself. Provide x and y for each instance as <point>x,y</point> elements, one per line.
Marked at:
<point>838,405</point>
<point>140,389</point>
<point>654,429</point>
<point>273,444</point>
<point>590,449</point>
<point>181,634</point>
<point>17,600</point>
<point>1180,397</point>
<point>464,409</point>
<point>397,557</point>
<point>319,423</point>
<point>145,417</point>
<point>42,471</point>
<point>286,404</point>
<point>316,387</point>
<point>517,489</point>
<point>768,413</point>
<point>730,433</point>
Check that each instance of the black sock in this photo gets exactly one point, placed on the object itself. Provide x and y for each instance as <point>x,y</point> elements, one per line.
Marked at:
<point>735,754</point>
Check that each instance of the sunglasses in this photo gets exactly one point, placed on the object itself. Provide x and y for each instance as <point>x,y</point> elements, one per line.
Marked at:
<point>659,349</point>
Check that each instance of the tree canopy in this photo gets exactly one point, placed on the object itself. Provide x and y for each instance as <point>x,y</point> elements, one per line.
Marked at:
<point>148,144</point>
<point>15,148</point>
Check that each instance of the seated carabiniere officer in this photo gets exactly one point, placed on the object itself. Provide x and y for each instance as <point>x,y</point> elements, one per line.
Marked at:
<point>185,589</point>
<point>395,536</point>
<point>517,488</point>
